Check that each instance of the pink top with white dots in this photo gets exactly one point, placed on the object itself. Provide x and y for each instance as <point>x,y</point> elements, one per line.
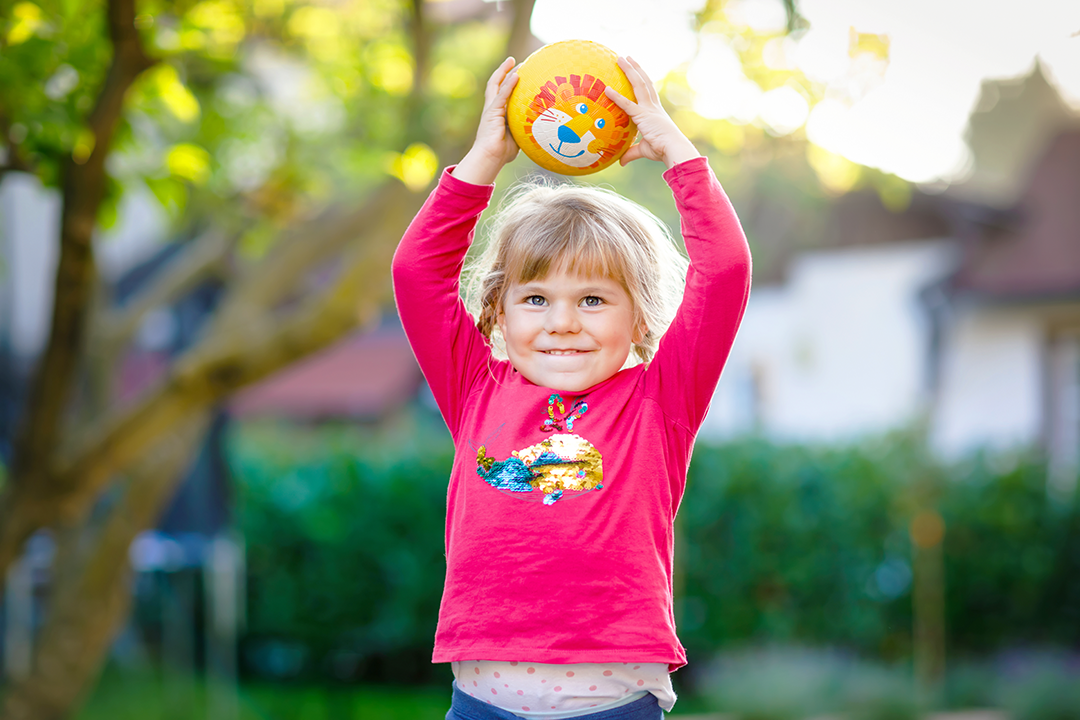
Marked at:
<point>538,690</point>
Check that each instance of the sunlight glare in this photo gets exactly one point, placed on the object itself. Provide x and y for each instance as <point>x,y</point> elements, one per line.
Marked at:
<point>762,16</point>
<point>659,35</point>
<point>784,110</point>
<point>906,115</point>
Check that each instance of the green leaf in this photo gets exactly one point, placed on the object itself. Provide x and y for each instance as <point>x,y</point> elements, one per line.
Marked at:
<point>170,192</point>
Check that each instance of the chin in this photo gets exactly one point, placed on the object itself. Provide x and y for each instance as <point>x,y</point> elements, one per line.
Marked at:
<point>571,387</point>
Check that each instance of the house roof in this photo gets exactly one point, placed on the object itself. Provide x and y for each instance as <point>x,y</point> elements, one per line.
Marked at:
<point>364,376</point>
<point>860,218</point>
<point>1032,252</point>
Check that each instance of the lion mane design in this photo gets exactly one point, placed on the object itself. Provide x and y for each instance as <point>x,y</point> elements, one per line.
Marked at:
<point>572,120</point>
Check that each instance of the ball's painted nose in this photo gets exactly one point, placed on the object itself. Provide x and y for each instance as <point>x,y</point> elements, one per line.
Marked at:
<point>567,135</point>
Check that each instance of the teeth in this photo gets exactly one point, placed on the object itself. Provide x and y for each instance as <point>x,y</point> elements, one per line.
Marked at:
<point>562,352</point>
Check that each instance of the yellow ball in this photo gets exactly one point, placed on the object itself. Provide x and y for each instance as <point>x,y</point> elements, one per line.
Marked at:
<point>558,112</point>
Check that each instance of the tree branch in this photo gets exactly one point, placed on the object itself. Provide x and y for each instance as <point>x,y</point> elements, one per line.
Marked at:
<point>520,43</point>
<point>201,258</point>
<point>415,129</point>
<point>274,280</point>
<point>242,351</point>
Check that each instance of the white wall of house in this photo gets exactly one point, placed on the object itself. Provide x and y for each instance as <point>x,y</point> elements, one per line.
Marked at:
<point>838,352</point>
<point>843,350</point>
<point>991,386</point>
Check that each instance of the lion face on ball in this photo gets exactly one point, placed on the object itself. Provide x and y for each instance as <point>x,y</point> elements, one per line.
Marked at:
<point>572,120</point>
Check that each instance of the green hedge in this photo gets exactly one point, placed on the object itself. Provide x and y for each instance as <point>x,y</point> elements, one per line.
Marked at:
<point>812,546</point>
<point>777,544</point>
<point>786,544</point>
<point>344,534</point>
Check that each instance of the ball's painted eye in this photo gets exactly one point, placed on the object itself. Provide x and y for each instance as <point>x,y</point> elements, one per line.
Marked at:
<point>599,123</point>
<point>583,108</point>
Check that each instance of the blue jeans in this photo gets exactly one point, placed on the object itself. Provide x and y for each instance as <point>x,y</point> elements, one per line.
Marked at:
<point>465,707</point>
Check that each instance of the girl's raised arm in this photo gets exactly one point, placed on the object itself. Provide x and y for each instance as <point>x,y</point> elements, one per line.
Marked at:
<point>428,262</point>
<point>687,365</point>
<point>494,146</point>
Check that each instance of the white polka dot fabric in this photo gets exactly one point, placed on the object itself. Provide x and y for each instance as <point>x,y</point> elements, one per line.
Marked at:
<point>538,690</point>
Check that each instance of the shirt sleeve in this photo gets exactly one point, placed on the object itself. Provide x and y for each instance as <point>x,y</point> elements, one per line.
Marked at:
<point>683,374</point>
<point>426,270</point>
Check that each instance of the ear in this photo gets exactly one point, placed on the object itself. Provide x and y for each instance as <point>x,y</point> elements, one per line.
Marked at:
<point>640,332</point>
<point>500,320</point>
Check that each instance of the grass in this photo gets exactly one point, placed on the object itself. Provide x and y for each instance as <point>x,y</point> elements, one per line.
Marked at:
<point>128,695</point>
<point>146,695</point>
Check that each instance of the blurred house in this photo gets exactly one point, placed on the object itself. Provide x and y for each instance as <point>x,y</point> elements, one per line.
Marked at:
<point>364,378</point>
<point>961,312</point>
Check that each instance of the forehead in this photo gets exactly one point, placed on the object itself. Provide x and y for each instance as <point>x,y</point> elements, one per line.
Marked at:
<point>564,278</point>
<point>585,260</point>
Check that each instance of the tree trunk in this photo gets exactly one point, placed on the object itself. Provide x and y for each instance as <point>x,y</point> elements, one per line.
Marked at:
<point>25,504</point>
<point>92,595</point>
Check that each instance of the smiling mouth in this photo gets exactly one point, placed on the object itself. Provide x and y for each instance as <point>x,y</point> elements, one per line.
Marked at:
<point>564,352</point>
<point>564,154</point>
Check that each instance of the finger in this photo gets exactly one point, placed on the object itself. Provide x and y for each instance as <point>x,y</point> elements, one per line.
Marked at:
<point>635,78</point>
<point>644,80</point>
<point>506,88</point>
<point>626,104</point>
<point>496,78</point>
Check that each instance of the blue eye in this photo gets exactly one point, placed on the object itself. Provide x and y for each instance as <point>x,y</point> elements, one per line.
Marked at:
<point>583,108</point>
<point>592,301</point>
<point>599,123</point>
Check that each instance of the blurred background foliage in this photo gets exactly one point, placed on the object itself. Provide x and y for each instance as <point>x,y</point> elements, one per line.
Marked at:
<point>255,114</point>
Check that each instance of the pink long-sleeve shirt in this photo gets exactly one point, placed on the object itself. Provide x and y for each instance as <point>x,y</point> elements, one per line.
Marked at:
<point>582,576</point>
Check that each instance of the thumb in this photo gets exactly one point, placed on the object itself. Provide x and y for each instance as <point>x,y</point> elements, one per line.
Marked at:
<point>631,155</point>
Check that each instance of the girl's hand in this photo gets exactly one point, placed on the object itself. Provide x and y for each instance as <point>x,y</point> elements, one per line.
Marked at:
<point>661,138</point>
<point>494,146</point>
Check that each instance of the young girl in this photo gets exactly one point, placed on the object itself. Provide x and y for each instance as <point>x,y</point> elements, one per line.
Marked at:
<point>570,460</point>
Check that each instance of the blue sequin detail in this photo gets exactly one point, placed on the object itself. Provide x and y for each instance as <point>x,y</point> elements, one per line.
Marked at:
<point>553,497</point>
<point>510,474</point>
<point>548,458</point>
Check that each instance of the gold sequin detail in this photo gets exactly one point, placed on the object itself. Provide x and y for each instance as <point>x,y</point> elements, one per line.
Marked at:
<point>564,462</point>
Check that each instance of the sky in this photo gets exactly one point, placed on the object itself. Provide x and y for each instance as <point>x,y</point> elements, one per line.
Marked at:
<point>906,117</point>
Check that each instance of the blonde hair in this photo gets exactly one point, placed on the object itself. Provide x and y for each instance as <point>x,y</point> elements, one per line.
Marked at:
<point>591,231</point>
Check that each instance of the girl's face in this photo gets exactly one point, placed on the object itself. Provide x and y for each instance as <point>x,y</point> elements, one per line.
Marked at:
<point>566,331</point>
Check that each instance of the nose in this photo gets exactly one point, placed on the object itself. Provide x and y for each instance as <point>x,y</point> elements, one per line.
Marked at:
<point>567,135</point>
<point>562,318</point>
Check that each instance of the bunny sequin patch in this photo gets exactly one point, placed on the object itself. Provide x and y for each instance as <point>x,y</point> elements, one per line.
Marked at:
<point>559,466</point>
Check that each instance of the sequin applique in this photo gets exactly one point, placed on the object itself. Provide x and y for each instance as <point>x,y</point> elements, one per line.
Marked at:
<point>553,423</point>
<point>561,465</point>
